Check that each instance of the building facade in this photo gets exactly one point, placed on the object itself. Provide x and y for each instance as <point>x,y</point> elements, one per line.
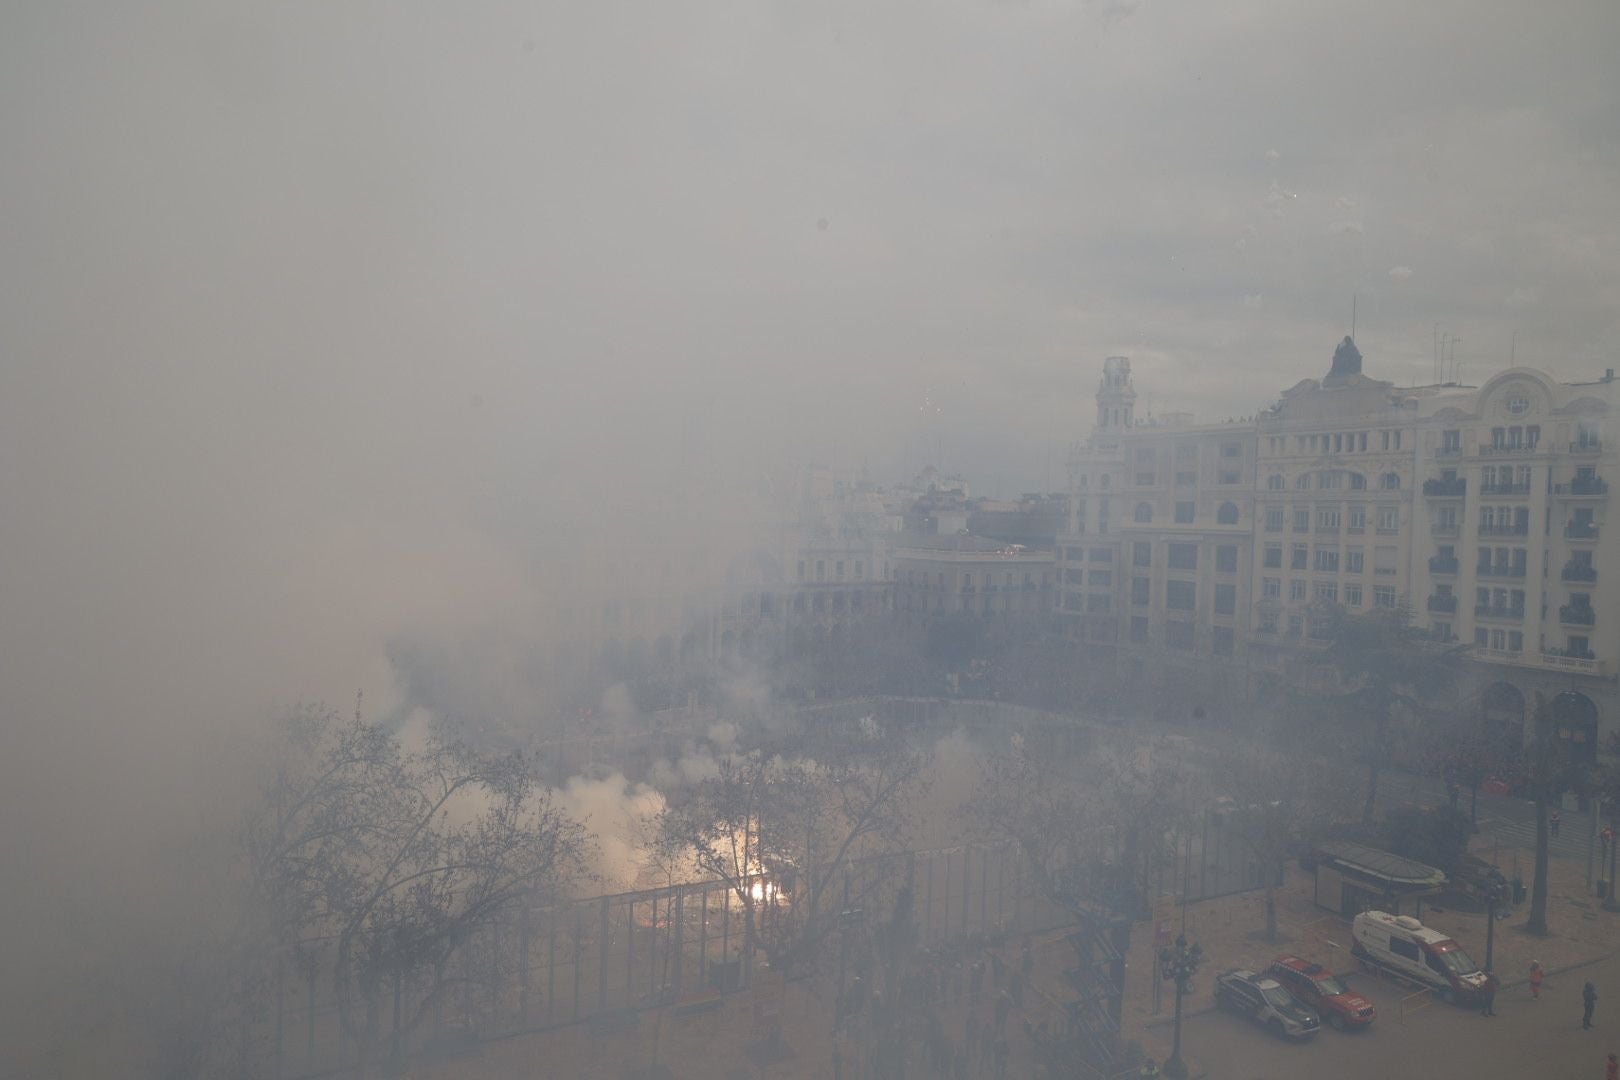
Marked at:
<point>1481,509</point>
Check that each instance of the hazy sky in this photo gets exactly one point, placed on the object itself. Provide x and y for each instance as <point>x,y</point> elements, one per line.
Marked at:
<point>322,322</point>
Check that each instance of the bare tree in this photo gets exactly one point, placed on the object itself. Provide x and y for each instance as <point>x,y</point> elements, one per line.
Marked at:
<point>1385,664</point>
<point>381,862</point>
<point>1551,769</point>
<point>1277,801</point>
<point>780,830</point>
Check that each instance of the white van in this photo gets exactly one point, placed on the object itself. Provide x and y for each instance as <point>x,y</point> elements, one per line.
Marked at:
<point>1401,944</point>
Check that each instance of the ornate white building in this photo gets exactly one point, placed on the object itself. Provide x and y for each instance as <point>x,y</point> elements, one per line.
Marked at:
<point>1482,509</point>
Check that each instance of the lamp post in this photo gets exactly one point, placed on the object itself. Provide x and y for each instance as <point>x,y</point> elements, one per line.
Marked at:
<point>1179,962</point>
<point>1495,893</point>
<point>1610,848</point>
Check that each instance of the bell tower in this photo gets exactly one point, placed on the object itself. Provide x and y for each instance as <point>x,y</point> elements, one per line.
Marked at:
<point>1116,397</point>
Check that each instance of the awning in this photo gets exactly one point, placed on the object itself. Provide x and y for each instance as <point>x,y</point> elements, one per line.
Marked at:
<point>1382,865</point>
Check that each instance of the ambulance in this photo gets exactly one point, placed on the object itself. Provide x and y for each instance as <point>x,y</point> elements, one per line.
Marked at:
<point>1404,946</point>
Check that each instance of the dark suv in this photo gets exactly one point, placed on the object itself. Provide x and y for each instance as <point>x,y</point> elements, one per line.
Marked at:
<point>1264,1000</point>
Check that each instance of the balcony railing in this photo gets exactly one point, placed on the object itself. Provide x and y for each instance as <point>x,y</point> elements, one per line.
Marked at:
<point>1444,529</point>
<point>1571,615</point>
<point>1484,570</point>
<point>1445,603</point>
<point>1581,530</point>
<point>1512,529</point>
<point>1498,611</point>
<point>1504,489</point>
<point>1577,572</point>
<point>1586,446</point>
<point>1571,654</point>
<point>1509,448</point>
<point>1439,564</point>
<point>1445,489</point>
<point>1583,485</point>
<point>1448,452</point>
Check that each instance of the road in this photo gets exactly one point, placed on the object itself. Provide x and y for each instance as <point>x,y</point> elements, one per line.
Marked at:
<point>1508,821</point>
<point>1436,1042</point>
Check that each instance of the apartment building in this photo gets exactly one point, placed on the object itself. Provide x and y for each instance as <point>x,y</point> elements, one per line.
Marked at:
<point>1482,509</point>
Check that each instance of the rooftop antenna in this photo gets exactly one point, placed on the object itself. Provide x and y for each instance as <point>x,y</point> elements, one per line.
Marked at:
<point>1513,350</point>
<point>1434,355</point>
<point>1352,316</point>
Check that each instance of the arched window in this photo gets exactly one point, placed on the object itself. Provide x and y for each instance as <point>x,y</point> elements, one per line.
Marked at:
<point>1327,481</point>
<point>1358,482</point>
<point>1227,514</point>
<point>1302,482</point>
<point>1275,482</point>
<point>1389,482</point>
<point>1144,513</point>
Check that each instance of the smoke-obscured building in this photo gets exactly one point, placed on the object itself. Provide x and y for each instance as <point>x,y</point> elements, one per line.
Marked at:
<point>1484,509</point>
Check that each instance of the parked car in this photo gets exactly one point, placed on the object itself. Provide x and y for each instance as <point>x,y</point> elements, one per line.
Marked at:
<point>1319,988</point>
<point>1265,1001</point>
<point>1401,944</point>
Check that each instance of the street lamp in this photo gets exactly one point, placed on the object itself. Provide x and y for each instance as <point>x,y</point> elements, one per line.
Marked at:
<point>1179,962</point>
<point>1610,848</point>
<point>1496,891</point>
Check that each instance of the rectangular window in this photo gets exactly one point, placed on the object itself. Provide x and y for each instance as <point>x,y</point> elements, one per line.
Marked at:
<point>1358,519</point>
<point>1273,557</point>
<point>1326,590</point>
<point>1141,590</point>
<point>1301,553</point>
<point>1072,601</point>
<point>1225,599</point>
<point>1144,479</point>
<point>1074,577</point>
<point>1184,513</point>
<point>1223,641</point>
<point>1384,559</point>
<point>1389,519</point>
<point>1102,555</point>
<point>1180,595</point>
<point>860,570</point>
<point>1302,521</point>
<point>1450,442</point>
<point>1296,589</point>
<point>1327,521</point>
<point>1179,635</point>
<point>1274,519</point>
<point>1352,595</point>
<point>1515,640</point>
<point>1327,561</point>
<point>1384,596</point>
<point>1296,625</point>
<point>1229,476</point>
<point>1142,553</point>
<point>1102,577</point>
<point>1271,588</point>
<point>1139,628</point>
<point>1099,603</point>
<point>1183,556</point>
<point>1186,479</point>
<point>1074,554</point>
<point>1226,559</point>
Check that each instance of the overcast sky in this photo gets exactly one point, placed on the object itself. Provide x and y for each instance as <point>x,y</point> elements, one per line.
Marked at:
<point>319,322</point>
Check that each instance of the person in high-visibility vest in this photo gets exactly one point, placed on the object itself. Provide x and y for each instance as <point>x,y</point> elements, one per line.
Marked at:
<point>1611,1071</point>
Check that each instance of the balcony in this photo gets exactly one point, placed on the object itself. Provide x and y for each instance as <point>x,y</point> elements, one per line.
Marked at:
<point>1487,571</point>
<point>1504,489</point>
<point>1439,564</point>
<point>1444,528</point>
<point>1498,611</point>
<point>1577,615</point>
<point>1499,449</point>
<point>1581,530</point>
<point>1448,452</point>
<point>1588,486</point>
<point>1586,446</point>
<point>1514,529</point>
<point>1443,602</point>
<point>1445,489</point>
<point>1578,572</point>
